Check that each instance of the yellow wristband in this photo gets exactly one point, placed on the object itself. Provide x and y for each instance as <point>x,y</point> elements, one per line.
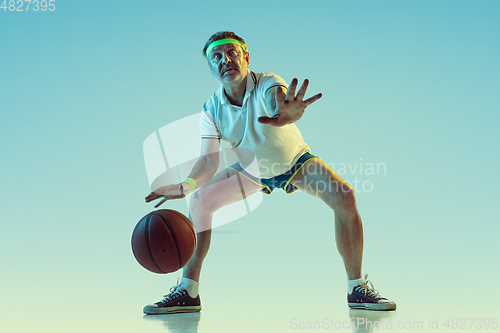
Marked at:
<point>191,183</point>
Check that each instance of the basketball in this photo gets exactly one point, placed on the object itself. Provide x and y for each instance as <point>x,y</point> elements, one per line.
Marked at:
<point>163,241</point>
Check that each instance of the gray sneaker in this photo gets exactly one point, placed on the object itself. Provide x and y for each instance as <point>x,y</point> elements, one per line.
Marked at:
<point>177,301</point>
<point>365,297</point>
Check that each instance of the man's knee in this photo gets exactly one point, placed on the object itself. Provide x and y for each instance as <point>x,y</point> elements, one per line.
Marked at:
<point>341,196</point>
<point>200,200</point>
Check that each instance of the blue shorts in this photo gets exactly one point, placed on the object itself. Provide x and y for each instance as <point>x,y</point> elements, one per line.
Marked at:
<point>281,181</point>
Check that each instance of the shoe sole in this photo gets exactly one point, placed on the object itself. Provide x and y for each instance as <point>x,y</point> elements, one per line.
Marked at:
<point>372,306</point>
<point>172,309</point>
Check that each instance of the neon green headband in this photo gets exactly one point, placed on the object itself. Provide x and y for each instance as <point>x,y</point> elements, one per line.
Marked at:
<point>226,41</point>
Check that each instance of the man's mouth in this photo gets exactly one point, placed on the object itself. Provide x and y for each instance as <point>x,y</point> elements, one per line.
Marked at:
<point>227,70</point>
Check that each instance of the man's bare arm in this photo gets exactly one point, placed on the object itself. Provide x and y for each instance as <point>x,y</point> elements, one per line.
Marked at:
<point>271,98</point>
<point>206,166</point>
<point>202,172</point>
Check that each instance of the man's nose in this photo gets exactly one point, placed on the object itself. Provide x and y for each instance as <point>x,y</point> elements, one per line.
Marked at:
<point>225,59</point>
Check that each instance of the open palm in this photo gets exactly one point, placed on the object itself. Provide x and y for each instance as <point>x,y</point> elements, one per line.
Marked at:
<point>290,108</point>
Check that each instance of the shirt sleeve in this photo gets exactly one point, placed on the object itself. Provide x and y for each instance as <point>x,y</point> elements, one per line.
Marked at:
<point>270,80</point>
<point>207,126</point>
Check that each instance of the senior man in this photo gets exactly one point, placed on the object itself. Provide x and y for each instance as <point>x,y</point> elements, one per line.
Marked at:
<point>255,113</point>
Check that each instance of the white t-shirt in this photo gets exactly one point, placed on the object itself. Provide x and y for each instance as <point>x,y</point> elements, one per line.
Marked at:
<point>264,151</point>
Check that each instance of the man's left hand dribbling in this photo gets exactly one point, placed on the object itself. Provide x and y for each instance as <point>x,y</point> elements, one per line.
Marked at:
<point>289,109</point>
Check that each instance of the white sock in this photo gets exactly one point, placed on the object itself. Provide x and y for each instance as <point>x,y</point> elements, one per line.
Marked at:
<point>190,285</point>
<point>353,283</point>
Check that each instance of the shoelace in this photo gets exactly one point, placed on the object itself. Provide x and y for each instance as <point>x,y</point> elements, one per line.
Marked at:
<point>174,293</point>
<point>368,289</point>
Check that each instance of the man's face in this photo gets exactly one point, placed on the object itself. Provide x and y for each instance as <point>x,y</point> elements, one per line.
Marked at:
<point>228,63</point>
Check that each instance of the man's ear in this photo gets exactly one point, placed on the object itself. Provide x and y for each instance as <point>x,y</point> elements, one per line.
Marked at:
<point>247,58</point>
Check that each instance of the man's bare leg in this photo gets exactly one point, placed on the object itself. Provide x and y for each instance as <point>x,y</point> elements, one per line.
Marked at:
<point>318,179</point>
<point>193,269</point>
<point>224,189</point>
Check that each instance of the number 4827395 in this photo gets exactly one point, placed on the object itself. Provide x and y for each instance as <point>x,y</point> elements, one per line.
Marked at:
<point>34,5</point>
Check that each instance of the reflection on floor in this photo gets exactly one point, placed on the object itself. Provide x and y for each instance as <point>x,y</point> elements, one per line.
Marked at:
<point>177,323</point>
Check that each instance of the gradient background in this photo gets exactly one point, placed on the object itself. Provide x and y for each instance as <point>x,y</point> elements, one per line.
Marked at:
<point>412,84</point>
